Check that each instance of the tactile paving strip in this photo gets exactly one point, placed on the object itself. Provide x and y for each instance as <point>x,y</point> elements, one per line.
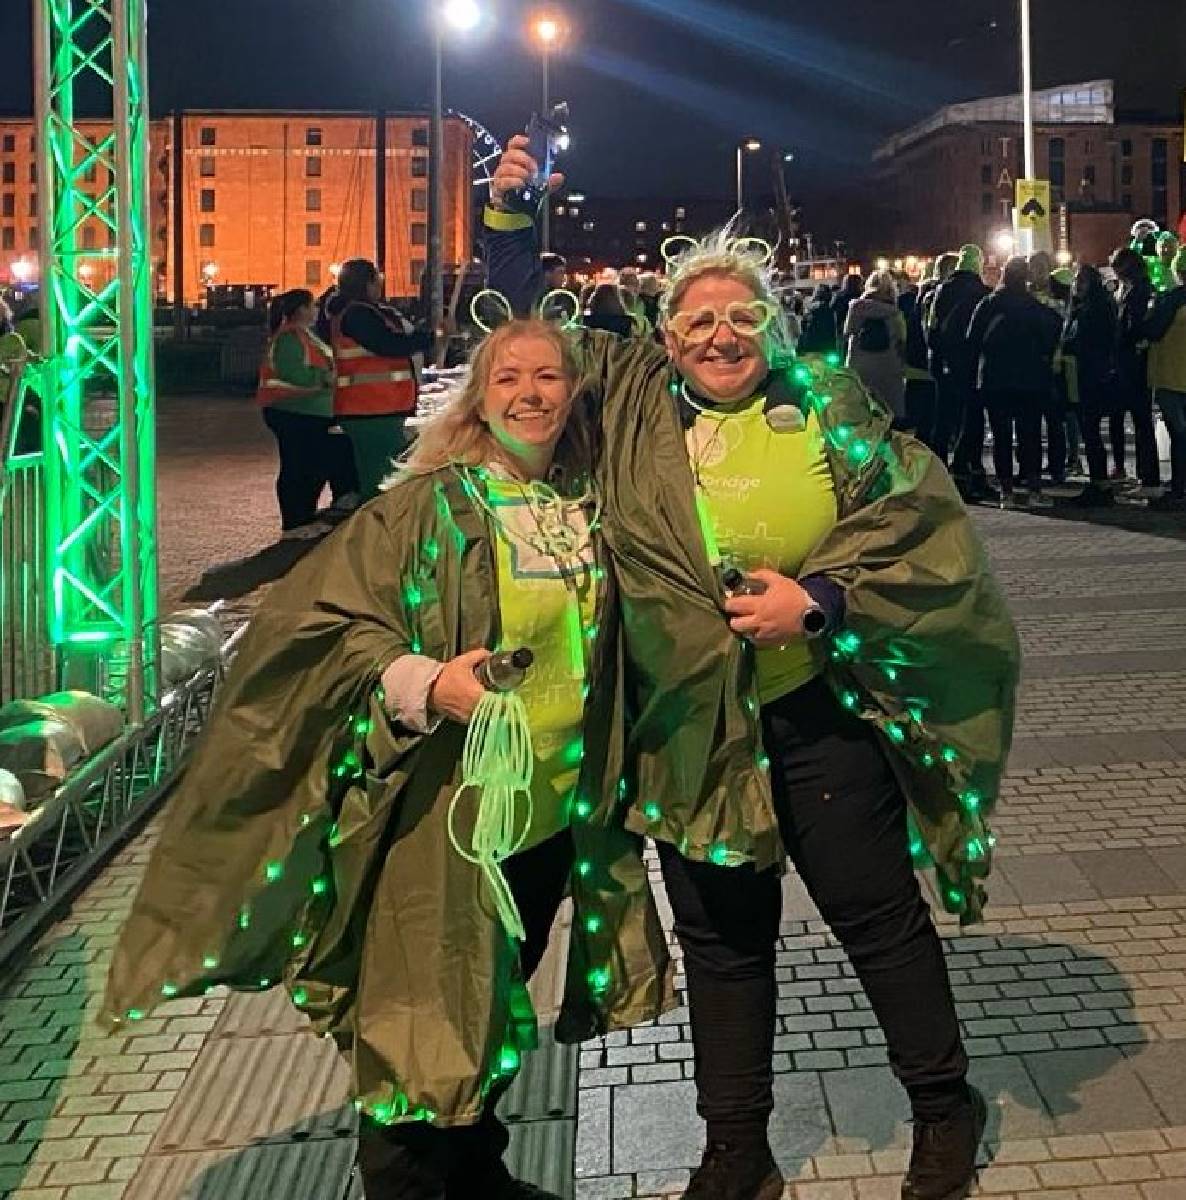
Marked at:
<point>312,1170</point>
<point>275,1088</point>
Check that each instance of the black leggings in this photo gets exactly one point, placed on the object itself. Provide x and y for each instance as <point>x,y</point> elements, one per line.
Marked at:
<point>843,820</point>
<point>394,1159</point>
<point>1136,401</point>
<point>310,457</point>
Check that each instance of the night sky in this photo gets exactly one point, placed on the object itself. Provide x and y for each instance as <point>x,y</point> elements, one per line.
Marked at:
<point>660,89</point>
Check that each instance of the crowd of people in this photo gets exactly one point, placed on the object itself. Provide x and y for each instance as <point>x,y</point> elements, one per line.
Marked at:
<point>1054,361</point>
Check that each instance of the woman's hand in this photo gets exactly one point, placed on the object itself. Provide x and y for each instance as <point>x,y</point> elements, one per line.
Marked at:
<point>773,618</point>
<point>456,692</point>
<point>516,169</point>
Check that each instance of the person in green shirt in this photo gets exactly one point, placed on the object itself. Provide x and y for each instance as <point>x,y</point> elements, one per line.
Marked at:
<point>296,396</point>
<point>854,714</point>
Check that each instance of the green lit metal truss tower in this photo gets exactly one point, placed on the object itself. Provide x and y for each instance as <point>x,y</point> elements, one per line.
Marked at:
<point>99,400</point>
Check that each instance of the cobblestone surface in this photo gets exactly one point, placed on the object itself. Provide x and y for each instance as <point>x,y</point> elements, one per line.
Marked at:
<point>1072,996</point>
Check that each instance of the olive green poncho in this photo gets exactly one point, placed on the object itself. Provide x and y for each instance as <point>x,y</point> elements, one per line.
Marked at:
<point>928,653</point>
<point>307,844</point>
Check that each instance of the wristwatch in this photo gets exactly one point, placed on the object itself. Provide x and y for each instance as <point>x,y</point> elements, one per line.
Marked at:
<point>815,621</point>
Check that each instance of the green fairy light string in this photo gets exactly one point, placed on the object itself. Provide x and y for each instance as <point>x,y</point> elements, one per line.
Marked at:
<point>497,762</point>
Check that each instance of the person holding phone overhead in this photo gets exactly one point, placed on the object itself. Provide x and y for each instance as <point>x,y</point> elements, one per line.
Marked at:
<point>853,711</point>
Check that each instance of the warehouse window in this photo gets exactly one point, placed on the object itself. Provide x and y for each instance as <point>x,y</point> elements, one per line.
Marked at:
<point>34,237</point>
<point>313,234</point>
<point>1126,174</point>
<point>986,173</point>
<point>1126,147</point>
<point>32,173</point>
<point>8,173</point>
<point>420,136</point>
<point>8,238</point>
<point>420,200</point>
<point>420,168</point>
<point>419,234</point>
<point>418,268</point>
<point>312,271</point>
<point>205,235</point>
<point>208,136</point>
<point>88,237</point>
<point>313,167</point>
<point>312,199</point>
<point>207,200</point>
<point>32,204</point>
<point>206,166</point>
<point>10,143</point>
<point>8,205</point>
<point>313,136</point>
<point>986,203</point>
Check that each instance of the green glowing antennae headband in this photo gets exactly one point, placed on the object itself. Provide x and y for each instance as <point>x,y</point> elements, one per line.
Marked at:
<point>490,309</point>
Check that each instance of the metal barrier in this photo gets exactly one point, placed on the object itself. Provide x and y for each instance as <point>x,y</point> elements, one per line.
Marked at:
<point>27,661</point>
<point>97,809</point>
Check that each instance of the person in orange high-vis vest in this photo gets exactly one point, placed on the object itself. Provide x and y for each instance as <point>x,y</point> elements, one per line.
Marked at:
<point>376,357</point>
<point>296,395</point>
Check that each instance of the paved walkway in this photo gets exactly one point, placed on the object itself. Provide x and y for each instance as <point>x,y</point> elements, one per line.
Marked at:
<point>1073,996</point>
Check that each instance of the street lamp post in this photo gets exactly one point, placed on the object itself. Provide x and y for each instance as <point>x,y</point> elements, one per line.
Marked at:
<point>547,30</point>
<point>462,15</point>
<point>1027,108</point>
<point>750,145</point>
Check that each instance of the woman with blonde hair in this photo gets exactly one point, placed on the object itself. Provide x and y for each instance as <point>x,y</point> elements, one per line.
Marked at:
<point>875,334</point>
<point>817,665</point>
<point>367,824</point>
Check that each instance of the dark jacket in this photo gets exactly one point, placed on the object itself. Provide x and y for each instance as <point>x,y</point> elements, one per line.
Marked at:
<point>618,323</point>
<point>379,329</point>
<point>1089,337</point>
<point>1011,342</point>
<point>841,303</point>
<point>1131,349</point>
<point>819,329</point>
<point>955,301</point>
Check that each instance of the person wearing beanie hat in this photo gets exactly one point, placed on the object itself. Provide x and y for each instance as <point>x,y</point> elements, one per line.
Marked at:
<point>961,414</point>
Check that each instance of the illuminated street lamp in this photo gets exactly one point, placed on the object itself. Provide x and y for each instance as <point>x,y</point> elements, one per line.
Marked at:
<point>547,31</point>
<point>1005,242</point>
<point>747,146</point>
<point>462,16</point>
<point>210,273</point>
<point>22,270</point>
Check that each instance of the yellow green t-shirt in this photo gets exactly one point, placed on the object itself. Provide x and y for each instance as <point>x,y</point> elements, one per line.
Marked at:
<point>769,496</point>
<point>548,605</point>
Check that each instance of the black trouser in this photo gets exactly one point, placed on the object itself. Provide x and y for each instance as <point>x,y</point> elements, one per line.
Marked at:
<point>1137,402</point>
<point>968,459</point>
<point>1053,412</point>
<point>1095,403</point>
<point>1010,409</point>
<point>462,1155</point>
<point>949,415</point>
<point>1173,409</point>
<point>843,820</point>
<point>310,457</point>
<point>921,404</point>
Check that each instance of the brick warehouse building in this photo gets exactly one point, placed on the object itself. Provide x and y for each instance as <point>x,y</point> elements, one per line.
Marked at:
<point>267,198</point>
<point>950,179</point>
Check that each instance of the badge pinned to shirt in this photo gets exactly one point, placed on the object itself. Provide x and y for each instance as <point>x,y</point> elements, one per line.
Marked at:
<point>786,418</point>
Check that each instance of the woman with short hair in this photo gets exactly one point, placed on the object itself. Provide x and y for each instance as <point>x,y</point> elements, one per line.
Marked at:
<point>816,663</point>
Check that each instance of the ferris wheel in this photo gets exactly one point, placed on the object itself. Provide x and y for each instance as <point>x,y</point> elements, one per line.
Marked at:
<point>486,152</point>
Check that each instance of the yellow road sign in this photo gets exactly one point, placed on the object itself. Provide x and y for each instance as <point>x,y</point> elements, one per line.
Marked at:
<point>1033,203</point>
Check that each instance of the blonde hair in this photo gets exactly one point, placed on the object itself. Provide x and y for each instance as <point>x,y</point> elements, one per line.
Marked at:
<point>460,436</point>
<point>725,255</point>
<point>883,286</point>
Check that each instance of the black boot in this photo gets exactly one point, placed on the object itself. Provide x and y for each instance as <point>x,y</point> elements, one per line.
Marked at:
<point>502,1185</point>
<point>736,1171</point>
<point>943,1163</point>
